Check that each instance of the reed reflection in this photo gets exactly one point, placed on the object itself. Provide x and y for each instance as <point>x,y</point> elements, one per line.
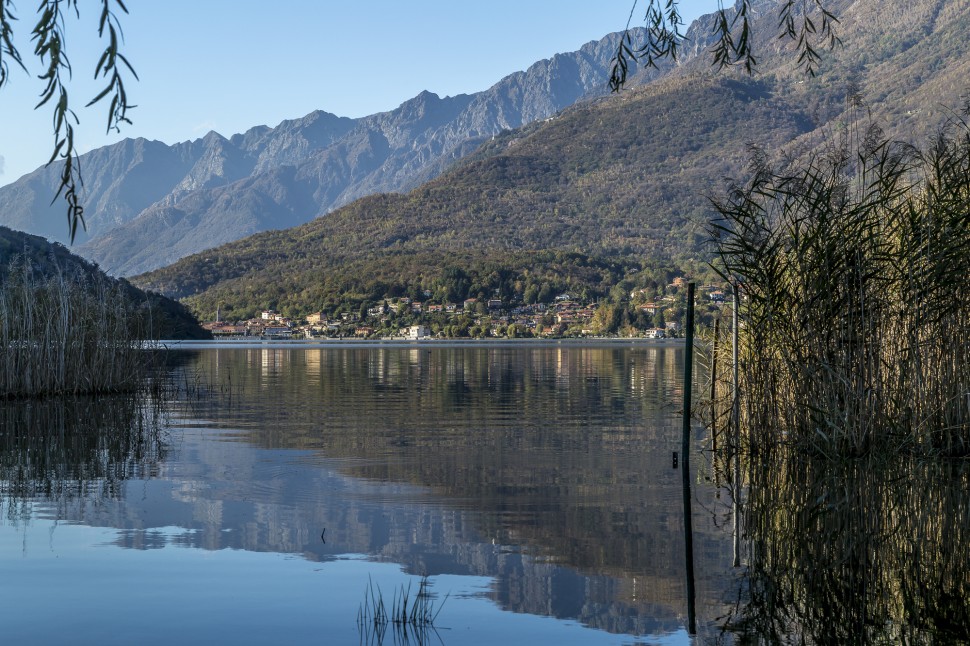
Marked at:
<point>65,450</point>
<point>872,550</point>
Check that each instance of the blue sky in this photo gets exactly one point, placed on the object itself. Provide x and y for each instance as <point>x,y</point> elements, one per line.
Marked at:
<point>228,65</point>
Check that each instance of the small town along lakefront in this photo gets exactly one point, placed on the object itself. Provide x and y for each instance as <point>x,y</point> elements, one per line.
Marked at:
<point>648,314</point>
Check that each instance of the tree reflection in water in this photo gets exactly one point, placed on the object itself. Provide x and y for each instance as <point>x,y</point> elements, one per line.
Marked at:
<point>870,550</point>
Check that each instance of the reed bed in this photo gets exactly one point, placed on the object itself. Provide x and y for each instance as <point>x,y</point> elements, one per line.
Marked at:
<point>67,334</point>
<point>855,300</point>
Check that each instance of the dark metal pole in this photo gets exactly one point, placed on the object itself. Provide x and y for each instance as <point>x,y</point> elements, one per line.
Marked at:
<point>685,450</point>
<point>735,400</point>
<point>736,429</point>
<point>717,333</point>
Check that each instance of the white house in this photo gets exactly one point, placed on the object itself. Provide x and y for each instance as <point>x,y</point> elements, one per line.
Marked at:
<point>418,332</point>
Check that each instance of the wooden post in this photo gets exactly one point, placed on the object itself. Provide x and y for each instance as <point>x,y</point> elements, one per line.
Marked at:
<point>685,449</point>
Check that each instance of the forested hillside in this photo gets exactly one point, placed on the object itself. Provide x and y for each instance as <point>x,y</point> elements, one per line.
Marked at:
<point>169,319</point>
<point>578,202</point>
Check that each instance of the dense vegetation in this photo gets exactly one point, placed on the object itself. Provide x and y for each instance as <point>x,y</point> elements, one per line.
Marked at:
<point>852,267</point>
<point>66,334</point>
<point>66,328</point>
<point>163,317</point>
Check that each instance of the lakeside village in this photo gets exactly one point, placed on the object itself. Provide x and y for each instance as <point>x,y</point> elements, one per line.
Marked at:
<point>647,314</point>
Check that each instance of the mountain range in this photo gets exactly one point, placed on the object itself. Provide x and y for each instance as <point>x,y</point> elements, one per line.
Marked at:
<point>148,204</point>
<point>610,187</point>
<point>605,193</point>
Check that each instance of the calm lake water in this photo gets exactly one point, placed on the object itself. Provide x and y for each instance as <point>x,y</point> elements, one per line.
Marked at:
<point>532,484</point>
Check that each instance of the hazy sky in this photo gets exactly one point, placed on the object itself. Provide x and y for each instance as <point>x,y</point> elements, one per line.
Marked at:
<point>228,65</point>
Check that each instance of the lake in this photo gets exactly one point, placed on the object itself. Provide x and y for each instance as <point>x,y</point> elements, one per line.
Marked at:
<point>533,485</point>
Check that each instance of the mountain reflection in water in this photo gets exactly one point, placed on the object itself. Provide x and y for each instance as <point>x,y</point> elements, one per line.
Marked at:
<point>547,469</point>
<point>537,479</point>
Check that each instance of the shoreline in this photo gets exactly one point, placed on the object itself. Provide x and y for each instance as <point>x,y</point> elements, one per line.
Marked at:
<point>423,343</point>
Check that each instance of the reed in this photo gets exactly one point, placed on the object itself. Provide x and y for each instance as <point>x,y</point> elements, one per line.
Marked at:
<point>412,617</point>
<point>67,334</point>
<point>855,308</point>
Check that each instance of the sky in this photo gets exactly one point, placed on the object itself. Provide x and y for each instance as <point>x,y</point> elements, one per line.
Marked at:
<point>229,65</point>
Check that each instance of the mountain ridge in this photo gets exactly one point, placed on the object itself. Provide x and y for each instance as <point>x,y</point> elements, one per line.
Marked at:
<point>558,203</point>
<point>134,187</point>
<point>619,184</point>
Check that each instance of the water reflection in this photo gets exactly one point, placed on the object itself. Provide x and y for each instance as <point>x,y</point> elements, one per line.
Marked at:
<point>75,452</point>
<point>545,471</point>
<point>542,474</point>
<point>866,551</point>
<point>545,468</point>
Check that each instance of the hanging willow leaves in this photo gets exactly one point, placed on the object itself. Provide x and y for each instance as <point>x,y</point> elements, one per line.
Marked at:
<point>796,23</point>
<point>49,40</point>
<point>661,38</point>
<point>807,23</point>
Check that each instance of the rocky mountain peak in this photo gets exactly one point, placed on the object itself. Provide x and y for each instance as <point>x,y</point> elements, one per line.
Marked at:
<point>132,187</point>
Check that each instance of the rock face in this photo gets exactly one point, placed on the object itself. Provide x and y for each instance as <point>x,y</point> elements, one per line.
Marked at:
<point>148,204</point>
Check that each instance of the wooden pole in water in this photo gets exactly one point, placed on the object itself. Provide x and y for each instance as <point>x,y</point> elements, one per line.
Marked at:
<point>685,450</point>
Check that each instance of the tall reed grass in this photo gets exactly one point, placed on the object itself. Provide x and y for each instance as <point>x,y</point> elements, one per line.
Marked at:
<point>67,333</point>
<point>855,308</point>
<point>412,618</point>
